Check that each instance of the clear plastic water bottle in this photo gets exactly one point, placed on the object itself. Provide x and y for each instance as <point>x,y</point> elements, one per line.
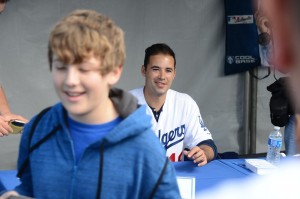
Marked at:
<point>274,146</point>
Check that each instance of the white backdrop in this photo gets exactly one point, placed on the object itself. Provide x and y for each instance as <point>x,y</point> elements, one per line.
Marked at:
<point>195,29</point>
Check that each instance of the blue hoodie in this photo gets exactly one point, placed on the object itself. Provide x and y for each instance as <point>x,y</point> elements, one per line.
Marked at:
<point>127,163</point>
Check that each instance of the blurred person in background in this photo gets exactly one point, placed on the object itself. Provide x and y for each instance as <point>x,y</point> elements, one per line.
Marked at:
<point>282,183</point>
<point>2,5</point>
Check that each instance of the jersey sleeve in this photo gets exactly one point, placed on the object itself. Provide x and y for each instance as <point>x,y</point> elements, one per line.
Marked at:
<point>195,131</point>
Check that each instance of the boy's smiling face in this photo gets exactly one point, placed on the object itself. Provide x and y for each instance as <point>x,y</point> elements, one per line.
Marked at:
<point>82,89</point>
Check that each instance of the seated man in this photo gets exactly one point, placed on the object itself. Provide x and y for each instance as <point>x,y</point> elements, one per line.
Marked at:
<point>176,117</point>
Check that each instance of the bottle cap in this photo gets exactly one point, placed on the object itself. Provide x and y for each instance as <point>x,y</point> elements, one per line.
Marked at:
<point>277,128</point>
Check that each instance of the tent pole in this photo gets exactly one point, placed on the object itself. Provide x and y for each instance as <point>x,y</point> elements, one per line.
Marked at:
<point>253,110</point>
<point>246,112</point>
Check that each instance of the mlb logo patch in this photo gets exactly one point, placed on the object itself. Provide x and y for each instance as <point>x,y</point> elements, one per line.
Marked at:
<point>240,19</point>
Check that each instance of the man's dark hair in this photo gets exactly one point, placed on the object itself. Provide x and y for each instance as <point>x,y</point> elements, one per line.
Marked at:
<point>4,1</point>
<point>159,48</point>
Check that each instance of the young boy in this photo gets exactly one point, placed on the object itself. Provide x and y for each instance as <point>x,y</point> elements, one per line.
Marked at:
<point>97,142</point>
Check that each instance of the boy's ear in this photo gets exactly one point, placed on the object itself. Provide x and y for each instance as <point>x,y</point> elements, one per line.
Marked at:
<point>143,70</point>
<point>115,75</point>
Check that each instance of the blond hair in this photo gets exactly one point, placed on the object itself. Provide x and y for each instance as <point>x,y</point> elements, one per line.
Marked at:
<point>83,32</point>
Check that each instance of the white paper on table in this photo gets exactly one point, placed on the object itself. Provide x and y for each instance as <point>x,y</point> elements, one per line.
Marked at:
<point>260,166</point>
<point>186,187</point>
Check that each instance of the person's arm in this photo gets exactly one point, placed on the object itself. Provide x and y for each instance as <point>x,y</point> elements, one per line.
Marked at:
<point>4,108</point>
<point>198,139</point>
<point>8,195</point>
<point>203,153</point>
<point>210,149</point>
<point>6,115</point>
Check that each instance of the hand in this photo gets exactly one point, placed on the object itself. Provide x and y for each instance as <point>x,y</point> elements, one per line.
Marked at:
<point>6,195</point>
<point>197,155</point>
<point>5,129</point>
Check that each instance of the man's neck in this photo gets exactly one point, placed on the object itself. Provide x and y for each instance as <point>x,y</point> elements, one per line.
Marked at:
<point>156,101</point>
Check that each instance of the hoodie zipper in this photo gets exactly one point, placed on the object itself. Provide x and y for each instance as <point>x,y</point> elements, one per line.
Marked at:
<point>73,180</point>
<point>100,177</point>
<point>75,166</point>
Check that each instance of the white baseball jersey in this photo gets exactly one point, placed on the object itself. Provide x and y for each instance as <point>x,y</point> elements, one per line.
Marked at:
<point>180,124</point>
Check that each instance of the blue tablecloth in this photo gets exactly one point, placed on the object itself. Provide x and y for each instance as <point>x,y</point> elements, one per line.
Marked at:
<point>213,173</point>
<point>206,176</point>
<point>8,179</point>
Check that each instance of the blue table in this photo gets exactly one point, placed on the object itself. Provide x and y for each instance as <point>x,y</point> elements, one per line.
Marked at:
<point>206,176</point>
<point>213,173</point>
<point>8,178</point>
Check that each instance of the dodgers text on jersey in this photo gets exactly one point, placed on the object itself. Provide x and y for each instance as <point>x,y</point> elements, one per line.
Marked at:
<point>173,137</point>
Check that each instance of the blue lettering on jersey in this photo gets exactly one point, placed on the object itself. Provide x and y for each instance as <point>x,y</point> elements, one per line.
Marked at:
<point>167,138</point>
<point>202,124</point>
